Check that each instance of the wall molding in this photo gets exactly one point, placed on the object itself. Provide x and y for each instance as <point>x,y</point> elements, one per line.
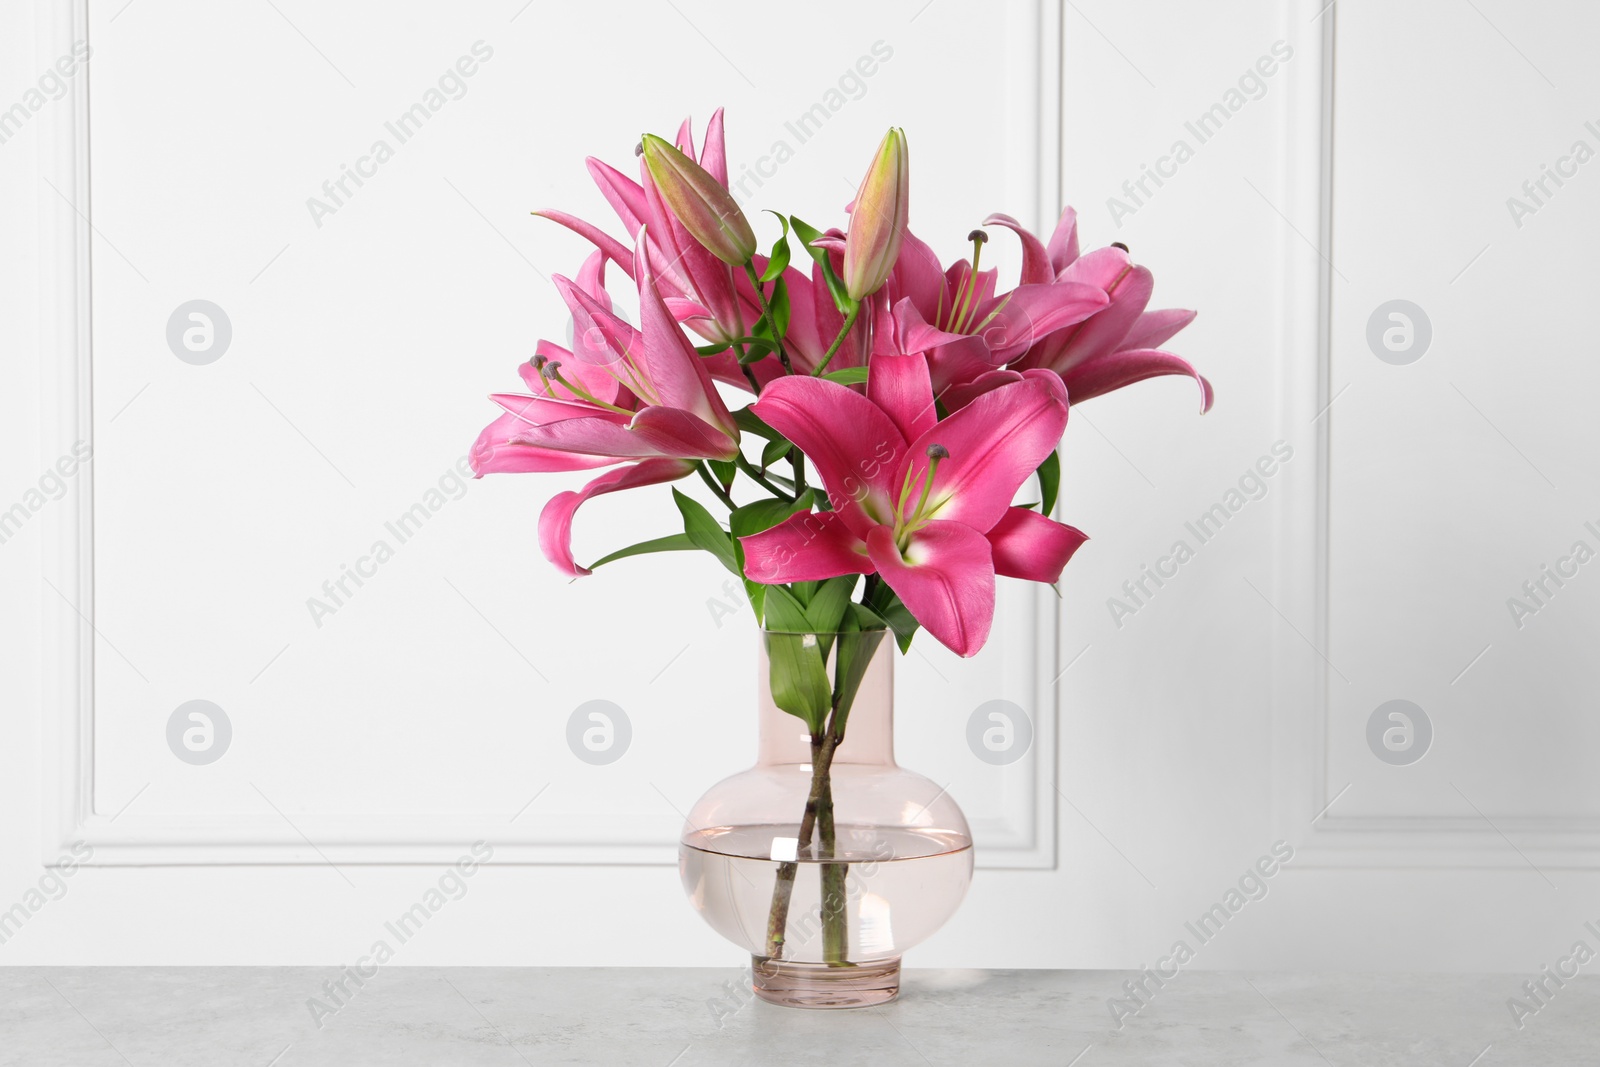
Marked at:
<point>1024,838</point>
<point>1305,798</point>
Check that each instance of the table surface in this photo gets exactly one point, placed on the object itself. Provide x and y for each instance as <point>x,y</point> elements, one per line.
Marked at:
<point>463,1017</point>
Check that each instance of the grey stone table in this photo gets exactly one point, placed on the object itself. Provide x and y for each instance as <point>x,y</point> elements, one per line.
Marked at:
<point>463,1017</point>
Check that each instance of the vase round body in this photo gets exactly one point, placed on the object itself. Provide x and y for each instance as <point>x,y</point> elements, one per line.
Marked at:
<point>826,860</point>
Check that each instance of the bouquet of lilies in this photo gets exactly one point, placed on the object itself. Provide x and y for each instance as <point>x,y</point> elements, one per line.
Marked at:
<point>900,405</point>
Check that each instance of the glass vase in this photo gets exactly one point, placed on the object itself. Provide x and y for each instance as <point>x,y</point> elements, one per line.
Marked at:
<point>826,860</point>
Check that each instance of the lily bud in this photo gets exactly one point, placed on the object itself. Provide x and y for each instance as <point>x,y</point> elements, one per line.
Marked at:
<point>878,221</point>
<point>696,199</point>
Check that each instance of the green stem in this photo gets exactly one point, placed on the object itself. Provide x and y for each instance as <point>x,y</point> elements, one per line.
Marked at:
<point>761,479</point>
<point>716,486</point>
<point>766,313</point>
<point>844,331</point>
<point>822,748</point>
<point>817,821</point>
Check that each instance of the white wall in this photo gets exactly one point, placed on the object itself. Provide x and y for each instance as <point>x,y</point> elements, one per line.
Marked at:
<point>1222,716</point>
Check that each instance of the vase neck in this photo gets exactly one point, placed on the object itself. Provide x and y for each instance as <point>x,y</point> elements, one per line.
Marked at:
<point>869,719</point>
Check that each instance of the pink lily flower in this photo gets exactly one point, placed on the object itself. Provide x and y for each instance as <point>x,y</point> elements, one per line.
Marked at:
<point>924,504</point>
<point>619,394</point>
<point>696,285</point>
<point>1116,346</point>
<point>965,327</point>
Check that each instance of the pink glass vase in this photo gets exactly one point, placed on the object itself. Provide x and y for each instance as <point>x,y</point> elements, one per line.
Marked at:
<point>826,860</point>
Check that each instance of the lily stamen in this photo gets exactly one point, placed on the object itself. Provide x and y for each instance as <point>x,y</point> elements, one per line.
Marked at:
<point>553,369</point>
<point>966,299</point>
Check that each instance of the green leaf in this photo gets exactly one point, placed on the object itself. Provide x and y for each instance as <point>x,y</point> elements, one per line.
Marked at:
<point>899,619</point>
<point>828,603</point>
<point>779,260</point>
<point>774,451</point>
<point>704,531</point>
<point>861,617</point>
<point>670,543</point>
<point>724,469</point>
<point>808,236</point>
<point>804,591</point>
<point>778,305</point>
<point>749,422</point>
<point>758,348</point>
<point>856,649</point>
<point>765,514</point>
<point>799,675</point>
<point>1049,482</point>
<point>752,519</point>
<point>847,375</point>
<point>712,349</point>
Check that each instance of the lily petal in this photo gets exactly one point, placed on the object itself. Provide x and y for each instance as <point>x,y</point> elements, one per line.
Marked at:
<point>1101,375</point>
<point>597,435</point>
<point>945,578</point>
<point>854,446</point>
<point>918,275</point>
<point>1032,546</point>
<point>555,521</point>
<point>994,444</point>
<point>1030,313</point>
<point>537,410</point>
<point>614,249</point>
<point>900,385</point>
<point>673,367</point>
<point>494,453</point>
<point>1156,328</point>
<point>959,396</point>
<point>623,194</point>
<point>1036,268</point>
<point>1063,248</point>
<point>809,547</point>
<point>674,432</point>
<point>714,153</point>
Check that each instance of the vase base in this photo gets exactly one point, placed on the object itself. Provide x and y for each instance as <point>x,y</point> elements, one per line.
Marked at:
<point>817,985</point>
